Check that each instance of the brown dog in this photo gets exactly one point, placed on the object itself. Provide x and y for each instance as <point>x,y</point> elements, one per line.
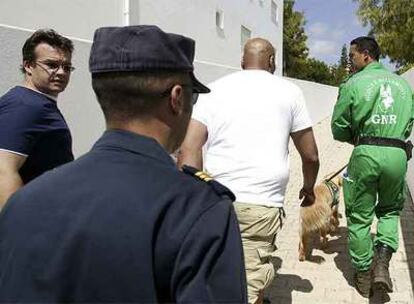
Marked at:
<point>321,216</point>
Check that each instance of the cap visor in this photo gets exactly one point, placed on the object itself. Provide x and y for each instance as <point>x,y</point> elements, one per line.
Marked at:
<point>198,86</point>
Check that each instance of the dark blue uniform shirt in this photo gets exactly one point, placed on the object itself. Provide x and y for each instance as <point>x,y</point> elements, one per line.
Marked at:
<point>120,224</point>
<point>31,125</point>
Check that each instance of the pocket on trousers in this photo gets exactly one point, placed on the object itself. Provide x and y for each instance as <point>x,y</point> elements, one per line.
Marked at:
<point>266,269</point>
<point>349,194</point>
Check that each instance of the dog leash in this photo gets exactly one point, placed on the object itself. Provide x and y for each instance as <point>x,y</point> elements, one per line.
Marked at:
<point>336,173</point>
<point>334,190</point>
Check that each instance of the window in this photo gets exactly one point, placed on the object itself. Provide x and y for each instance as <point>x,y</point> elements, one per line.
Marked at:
<point>220,19</point>
<point>274,12</point>
<point>245,35</point>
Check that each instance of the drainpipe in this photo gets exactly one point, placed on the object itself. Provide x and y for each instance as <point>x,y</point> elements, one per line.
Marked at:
<point>125,18</point>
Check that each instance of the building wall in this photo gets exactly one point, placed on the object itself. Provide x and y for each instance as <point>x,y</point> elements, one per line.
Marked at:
<point>320,98</point>
<point>197,19</point>
<point>75,18</point>
<point>409,76</point>
<point>218,52</point>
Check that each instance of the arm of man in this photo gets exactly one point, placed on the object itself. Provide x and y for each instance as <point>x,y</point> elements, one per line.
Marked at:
<point>191,151</point>
<point>305,144</point>
<point>341,124</point>
<point>10,180</point>
<point>210,265</point>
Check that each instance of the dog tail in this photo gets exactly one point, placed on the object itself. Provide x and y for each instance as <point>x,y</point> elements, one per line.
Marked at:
<point>315,217</point>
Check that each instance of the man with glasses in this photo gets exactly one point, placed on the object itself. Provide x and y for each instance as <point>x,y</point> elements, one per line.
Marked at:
<point>34,136</point>
<point>122,223</point>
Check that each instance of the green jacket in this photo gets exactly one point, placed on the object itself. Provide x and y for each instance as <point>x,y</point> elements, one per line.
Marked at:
<point>373,102</point>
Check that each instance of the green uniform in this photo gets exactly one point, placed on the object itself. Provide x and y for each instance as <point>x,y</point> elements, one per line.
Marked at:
<point>373,102</point>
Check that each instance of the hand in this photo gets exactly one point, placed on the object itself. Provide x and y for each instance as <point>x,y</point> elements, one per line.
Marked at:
<point>308,197</point>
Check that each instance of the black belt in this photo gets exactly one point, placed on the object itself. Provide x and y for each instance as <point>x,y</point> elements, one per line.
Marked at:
<point>381,141</point>
<point>387,142</point>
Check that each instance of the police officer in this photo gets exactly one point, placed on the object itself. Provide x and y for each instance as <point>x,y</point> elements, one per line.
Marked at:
<point>375,113</point>
<point>122,224</point>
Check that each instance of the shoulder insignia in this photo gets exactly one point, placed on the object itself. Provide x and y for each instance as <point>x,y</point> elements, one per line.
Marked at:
<point>220,189</point>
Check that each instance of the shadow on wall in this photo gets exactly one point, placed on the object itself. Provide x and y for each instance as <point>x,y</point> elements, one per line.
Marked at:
<point>407,230</point>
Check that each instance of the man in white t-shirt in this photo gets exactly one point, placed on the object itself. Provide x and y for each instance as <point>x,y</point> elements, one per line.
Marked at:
<point>239,134</point>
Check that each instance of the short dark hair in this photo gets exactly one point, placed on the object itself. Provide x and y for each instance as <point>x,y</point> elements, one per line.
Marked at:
<point>48,36</point>
<point>128,95</point>
<point>368,44</point>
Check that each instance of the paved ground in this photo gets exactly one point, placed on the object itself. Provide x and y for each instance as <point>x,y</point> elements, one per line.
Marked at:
<point>327,278</point>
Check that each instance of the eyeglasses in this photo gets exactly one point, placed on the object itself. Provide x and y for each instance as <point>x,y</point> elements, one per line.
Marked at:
<point>194,96</point>
<point>53,66</point>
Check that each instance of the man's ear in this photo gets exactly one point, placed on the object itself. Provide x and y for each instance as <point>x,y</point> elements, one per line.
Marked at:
<point>367,57</point>
<point>272,64</point>
<point>176,99</point>
<point>27,67</point>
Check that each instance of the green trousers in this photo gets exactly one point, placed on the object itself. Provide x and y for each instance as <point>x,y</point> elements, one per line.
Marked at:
<point>375,184</point>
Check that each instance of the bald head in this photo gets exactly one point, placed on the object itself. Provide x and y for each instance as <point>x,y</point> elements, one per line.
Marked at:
<point>259,54</point>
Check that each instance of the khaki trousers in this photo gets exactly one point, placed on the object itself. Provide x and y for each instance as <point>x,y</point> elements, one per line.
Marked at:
<point>259,226</point>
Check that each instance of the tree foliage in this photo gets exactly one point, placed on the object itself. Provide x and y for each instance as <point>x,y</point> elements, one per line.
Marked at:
<point>295,51</point>
<point>296,61</point>
<point>392,24</point>
<point>341,71</point>
<point>344,60</point>
<point>317,71</point>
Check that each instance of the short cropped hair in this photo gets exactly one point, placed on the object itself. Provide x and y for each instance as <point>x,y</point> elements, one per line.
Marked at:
<point>128,95</point>
<point>368,44</point>
<point>48,36</point>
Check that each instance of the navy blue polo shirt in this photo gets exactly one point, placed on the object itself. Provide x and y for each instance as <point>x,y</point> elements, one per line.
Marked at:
<point>31,125</point>
<point>120,224</point>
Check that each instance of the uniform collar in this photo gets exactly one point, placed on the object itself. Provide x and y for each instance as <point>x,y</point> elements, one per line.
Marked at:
<point>135,143</point>
<point>375,65</point>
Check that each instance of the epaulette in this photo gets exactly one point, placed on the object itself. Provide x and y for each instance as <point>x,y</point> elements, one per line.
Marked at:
<point>220,189</point>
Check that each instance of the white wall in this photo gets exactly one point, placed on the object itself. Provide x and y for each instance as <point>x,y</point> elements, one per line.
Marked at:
<point>409,76</point>
<point>207,72</point>
<point>194,18</point>
<point>197,19</point>
<point>76,18</point>
<point>320,98</point>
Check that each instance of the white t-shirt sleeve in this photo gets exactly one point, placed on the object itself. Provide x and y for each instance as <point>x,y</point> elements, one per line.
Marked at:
<point>300,116</point>
<point>201,110</point>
